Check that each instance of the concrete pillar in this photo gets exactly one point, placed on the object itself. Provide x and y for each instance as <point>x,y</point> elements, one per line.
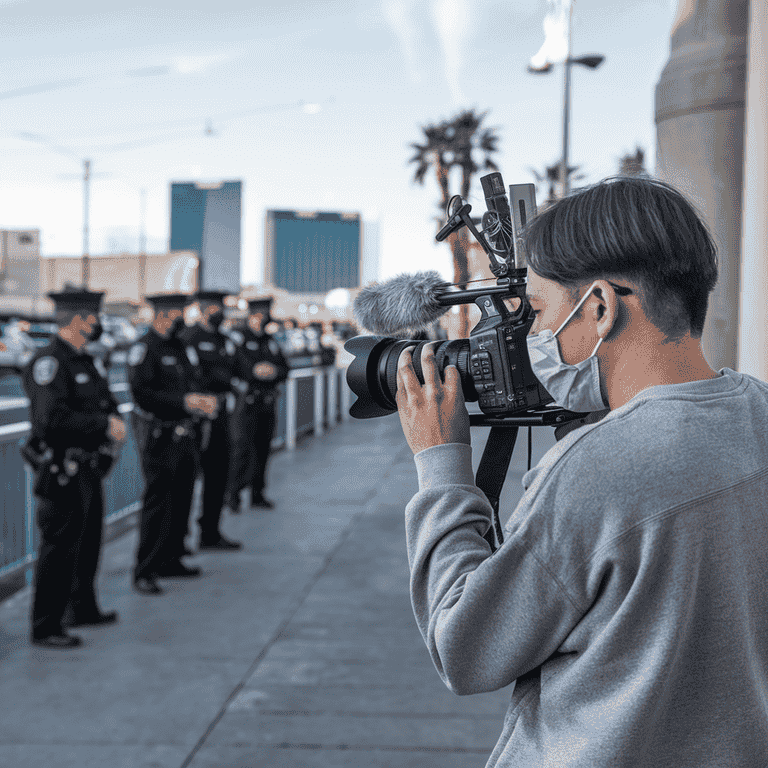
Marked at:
<point>753,303</point>
<point>700,143</point>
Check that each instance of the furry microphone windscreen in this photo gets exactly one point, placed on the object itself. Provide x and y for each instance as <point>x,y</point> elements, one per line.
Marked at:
<point>406,302</point>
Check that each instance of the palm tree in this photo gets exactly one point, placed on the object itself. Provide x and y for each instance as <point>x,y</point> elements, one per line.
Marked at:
<point>447,145</point>
<point>632,165</point>
<point>552,178</point>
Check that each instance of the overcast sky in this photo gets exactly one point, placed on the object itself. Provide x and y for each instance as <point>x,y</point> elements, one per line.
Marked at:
<point>312,103</point>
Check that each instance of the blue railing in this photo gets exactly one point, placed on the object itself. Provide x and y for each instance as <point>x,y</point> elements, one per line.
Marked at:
<point>312,400</point>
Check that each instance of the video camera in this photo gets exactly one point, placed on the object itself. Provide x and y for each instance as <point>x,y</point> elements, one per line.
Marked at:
<point>493,362</point>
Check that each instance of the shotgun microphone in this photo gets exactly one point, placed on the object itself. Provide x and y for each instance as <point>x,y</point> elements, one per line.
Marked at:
<point>404,303</point>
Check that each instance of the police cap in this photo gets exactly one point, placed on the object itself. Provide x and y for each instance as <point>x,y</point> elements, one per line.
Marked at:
<point>261,304</point>
<point>166,301</point>
<point>78,300</point>
<point>211,296</point>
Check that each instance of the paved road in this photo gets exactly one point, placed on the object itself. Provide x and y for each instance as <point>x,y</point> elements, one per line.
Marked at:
<point>299,651</point>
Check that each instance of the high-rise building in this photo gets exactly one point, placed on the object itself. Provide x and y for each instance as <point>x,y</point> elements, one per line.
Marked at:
<point>19,261</point>
<point>371,252</point>
<point>205,218</point>
<point>313,252</point>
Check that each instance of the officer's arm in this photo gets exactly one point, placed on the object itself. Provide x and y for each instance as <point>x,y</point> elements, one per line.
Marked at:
<point>243,369</point>
<point>279,360</point>
<point>112,406</point>
<point>234,375</point>
<point>140,375</point>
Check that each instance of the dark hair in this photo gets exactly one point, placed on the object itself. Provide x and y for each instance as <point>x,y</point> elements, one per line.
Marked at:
<point>638,228</point>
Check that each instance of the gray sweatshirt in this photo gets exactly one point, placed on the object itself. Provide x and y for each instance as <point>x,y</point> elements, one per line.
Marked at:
<point>629,601</point>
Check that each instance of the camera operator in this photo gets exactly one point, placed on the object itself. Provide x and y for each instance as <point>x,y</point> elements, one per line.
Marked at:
<point>627,602</point>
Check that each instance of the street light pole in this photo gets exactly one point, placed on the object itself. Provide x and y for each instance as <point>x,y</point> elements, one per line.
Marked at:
<point>564,182</point>
<point>143,247</point>
<point>593,61</point>
<point>86,216</point>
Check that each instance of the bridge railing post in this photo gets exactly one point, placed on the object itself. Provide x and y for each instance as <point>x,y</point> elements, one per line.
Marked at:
<point>319,393</point>
<point>291,405</point>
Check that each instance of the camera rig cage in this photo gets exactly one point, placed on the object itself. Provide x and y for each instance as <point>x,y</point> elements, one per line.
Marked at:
<point>499,362</point>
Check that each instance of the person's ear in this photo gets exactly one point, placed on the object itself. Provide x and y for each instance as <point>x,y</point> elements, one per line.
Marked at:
<point>603,307</point>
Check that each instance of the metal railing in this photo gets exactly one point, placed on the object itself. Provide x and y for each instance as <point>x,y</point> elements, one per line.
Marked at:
<point>311,401</point>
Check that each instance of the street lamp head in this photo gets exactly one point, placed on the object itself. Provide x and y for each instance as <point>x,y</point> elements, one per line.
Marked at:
<point>593,61</point>
<point>539,70</point>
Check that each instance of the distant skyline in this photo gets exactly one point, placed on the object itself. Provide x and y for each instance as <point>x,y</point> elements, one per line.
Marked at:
<point>312,104</point>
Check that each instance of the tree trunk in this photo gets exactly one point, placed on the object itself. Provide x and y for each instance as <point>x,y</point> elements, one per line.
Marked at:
<point>459,242</point>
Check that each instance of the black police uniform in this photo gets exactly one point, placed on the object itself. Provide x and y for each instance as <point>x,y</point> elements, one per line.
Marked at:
<point>160,376</point>
<point>215,361</point>
<point>254,417</point>
<point>70,405</point>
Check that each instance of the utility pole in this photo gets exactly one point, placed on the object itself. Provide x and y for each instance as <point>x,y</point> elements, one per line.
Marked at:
<point>86,214</point>
<point>143,247</point>
<point>564,182</point>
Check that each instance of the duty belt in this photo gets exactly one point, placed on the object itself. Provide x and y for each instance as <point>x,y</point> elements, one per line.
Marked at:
<point>67,466</point>
<point>183,428</point>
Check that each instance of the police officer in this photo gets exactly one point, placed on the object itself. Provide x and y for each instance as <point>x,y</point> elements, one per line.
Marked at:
<point>263,367</point>
<point>165,417</point>
<point>76,428</point>
<point>215,360</point>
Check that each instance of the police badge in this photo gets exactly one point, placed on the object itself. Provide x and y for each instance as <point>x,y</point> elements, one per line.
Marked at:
<point>44,370</point>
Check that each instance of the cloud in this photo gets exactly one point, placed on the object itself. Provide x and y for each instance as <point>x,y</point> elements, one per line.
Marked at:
<point>401,18</point>
<point>555,47</point>
<point>452,21</point>
<point>40,87</point>
<point>188,65</point>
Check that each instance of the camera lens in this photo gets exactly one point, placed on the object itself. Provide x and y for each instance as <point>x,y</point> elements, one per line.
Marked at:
<point>372,375</point>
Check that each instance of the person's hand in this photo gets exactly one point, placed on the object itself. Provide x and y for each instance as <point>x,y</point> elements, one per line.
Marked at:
<point>202,405</point>
<point>265,371</point>
<point>435,413</point>
<point>116,429</point>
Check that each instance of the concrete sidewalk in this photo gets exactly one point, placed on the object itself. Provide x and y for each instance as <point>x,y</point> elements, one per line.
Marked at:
<point>301,650</point>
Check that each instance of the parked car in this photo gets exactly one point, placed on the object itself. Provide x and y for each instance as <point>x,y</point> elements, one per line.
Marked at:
<point>121,330</point>
<point>16,344</point>
<point>40,331</point>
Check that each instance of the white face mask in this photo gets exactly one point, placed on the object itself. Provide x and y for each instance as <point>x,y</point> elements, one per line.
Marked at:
<point>573,387</point>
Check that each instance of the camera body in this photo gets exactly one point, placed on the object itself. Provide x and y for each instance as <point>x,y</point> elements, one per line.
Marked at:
<point>498,358</point>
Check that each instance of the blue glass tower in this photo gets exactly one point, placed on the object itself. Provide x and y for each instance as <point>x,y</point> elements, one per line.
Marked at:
<point>205,218</point>
<point>313,252</point>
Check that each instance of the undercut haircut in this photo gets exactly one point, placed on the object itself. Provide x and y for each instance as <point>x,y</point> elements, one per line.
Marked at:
<point>637,228</point>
